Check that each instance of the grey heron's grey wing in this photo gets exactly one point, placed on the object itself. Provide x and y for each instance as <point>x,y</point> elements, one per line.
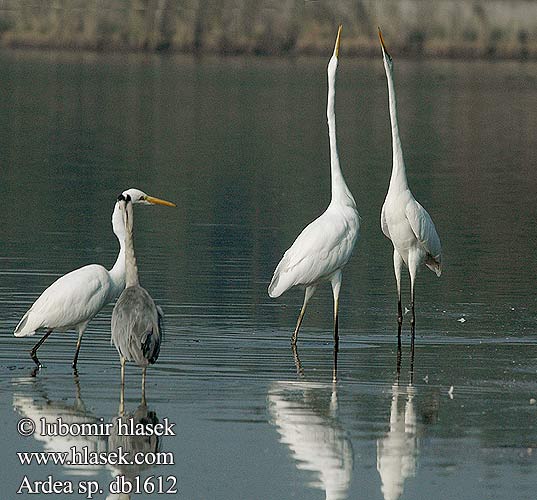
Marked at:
<point>153,338</point>
<point>160,314</point>
<point>135,326</point>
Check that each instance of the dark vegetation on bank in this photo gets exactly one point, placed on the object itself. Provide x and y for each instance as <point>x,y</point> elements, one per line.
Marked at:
<point>439,28</point>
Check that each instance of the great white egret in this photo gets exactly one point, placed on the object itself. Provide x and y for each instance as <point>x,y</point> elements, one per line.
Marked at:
<point>136,320</point>
<point>72,301</point>
<point>326,245</point>
<point>403,220</point>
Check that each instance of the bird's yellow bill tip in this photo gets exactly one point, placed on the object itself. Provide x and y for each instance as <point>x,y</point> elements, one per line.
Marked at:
<point>381,39</point>
<point>158,201</point>
<point>338,40</point>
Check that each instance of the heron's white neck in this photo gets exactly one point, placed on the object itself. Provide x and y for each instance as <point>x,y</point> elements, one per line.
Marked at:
<point>131,277</point>
<point>117,273</point>
<point>340,192</point>
<point>398,179</point>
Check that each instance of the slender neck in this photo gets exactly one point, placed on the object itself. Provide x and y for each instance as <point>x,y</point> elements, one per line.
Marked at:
<point>130,259</point>
<point>117,273</point>
<point>340,191</point>
<point>398,178</point>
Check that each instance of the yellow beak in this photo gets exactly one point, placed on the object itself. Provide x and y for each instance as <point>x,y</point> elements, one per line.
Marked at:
<point>382,43</point>
<point>158,201</point>
<point>336,49</point>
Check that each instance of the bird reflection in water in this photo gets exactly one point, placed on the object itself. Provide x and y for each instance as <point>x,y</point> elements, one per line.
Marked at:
<point>38,405</point>
<point>34,403</point>
<point>397,451</point>
<point>132,444</point>
<point>300,369</point>
<point>306,417</point>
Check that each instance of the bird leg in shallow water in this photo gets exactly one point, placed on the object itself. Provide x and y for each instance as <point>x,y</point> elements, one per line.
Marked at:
<point>122,390</point>
<point>399,353</point>
<point>412,326</point>
<point>336,286</point>
<point>298,364</point>
<point>334,366</point>
<point>310,290</point>
<point>397,266</point>
<point>412,358</point>
<point>336,330</point>
<point>33,352</point>
<point>413,271</point>
<point>143,385</point>
<point>79,341</point>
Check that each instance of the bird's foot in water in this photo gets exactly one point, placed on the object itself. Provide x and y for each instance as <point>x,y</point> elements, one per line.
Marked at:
<point>36,360</point>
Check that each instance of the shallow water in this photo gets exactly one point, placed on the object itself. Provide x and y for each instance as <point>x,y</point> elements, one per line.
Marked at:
<point>241,146</point>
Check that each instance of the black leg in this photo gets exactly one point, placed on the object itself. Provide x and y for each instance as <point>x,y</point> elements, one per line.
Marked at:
<point>412,354</point>
<point>334,366</point>
<point>336,332</point>
<point>399,352</point>
<point>33,352</point>
<point>79,341</point>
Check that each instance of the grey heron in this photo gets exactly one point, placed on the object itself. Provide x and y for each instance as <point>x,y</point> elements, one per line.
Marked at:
<point>136,320</point>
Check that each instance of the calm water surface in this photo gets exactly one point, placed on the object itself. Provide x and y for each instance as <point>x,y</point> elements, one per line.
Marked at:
<point>241,146</point>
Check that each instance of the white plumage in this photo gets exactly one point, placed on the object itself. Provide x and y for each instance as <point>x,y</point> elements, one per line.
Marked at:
<point>403,220</point>
<point>323,247</point>
<point>326,245</point>
<point>72,301</point>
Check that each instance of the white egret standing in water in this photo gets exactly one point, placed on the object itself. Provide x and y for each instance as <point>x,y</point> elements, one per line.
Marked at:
<point>72,301</point>
<point>326,245</point>
<point>403,220</point>
<point>136,320</point>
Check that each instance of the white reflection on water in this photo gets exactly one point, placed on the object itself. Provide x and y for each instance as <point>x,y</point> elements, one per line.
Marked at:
<point>398,450</point>
<point>33,403</point>
<point>39,406</point>
<point>306,417</point>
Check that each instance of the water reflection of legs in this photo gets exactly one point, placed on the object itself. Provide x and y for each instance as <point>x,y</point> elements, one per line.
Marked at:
<point>143,385</point>
<point>139,444</point>
<point>122,390</point>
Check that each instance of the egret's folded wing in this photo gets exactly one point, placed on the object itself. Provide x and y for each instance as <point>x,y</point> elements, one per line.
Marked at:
<point>322,247</point>
<point>423,227</point>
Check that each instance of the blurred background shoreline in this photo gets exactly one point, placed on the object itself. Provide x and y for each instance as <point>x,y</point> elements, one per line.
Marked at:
<point>477,29</point>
